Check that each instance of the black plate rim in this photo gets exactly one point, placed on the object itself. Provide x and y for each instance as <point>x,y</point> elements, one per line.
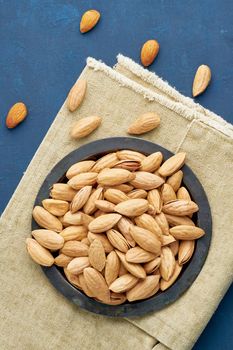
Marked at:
<point>186,279</point>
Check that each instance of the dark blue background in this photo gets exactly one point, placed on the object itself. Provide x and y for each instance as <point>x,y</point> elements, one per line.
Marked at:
<point>42,54</point>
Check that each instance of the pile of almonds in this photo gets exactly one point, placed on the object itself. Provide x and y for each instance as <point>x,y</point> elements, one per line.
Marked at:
<point>121,227</point>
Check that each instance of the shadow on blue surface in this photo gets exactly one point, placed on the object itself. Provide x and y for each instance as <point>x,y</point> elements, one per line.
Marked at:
<point>42,54</point>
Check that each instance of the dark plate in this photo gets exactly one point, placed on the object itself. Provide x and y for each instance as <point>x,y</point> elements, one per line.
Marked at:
<point>94,150</point>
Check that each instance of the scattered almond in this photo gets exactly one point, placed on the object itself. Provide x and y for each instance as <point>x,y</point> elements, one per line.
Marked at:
<point>149,51</point>
<point>76,95</point>
<point>89,20</point>
<point>85,126</point>
<point>146,122</point>
<point>201,80</point>
<point>16,115</point>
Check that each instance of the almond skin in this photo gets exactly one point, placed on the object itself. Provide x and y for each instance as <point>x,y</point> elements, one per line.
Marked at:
<point>146,122</point>
<point>16,115</point>
<point>76,95</point>
<point>38,253</point>
<point>201,80</point>
<point>85,126</point>
<point>149,52</point>
<point>89,20</point>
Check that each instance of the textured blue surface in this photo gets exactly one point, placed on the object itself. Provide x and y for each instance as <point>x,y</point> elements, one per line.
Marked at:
<point>42,54</point>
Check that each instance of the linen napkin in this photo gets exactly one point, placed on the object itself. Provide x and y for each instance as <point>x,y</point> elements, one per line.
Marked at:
<point>33,314</point>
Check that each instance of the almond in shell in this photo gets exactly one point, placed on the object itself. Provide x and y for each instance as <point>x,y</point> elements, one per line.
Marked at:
<point>48,239</point>
<point>123,283</point>
<point>138,255</point>
<point>96,284</point>
<point>167,265</point>
<point>56,207</point>
<point>96,255</point>
<point>38,253</point>
<point>76,95</point>
<point>146,181</point>
<point>132,207</point>
<point>85,126</point>
<point>172,164</point>
<point>146,122</point>
<point>46,220</point>
<point>144,289</point>
<point>152,162</point>
<point>80,167</point>
<point>103,223</point>
<point>185,252</point>
<point>112,267</point>
<point>146,239</point>
<point>186,232</point>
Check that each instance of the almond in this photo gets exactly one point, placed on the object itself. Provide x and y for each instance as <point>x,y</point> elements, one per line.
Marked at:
<point>179,220</point>
<point>48,239</point>
<point>73,219</point>
<point>152,162</point>
<point>139,255</point>
<point>72,233</point>
<point>138,193</point>
<point>132,207</point>
<point>73,279</point>
<point>186,250</point>
<point>144,289</point>
<point>146,181</point>
<point>131,165</point>
<point>151,210</point>
<point>38,253</point>
<point>76,95</point>
<point>96,284</point>
<point>135,269</point>
<point>186,232</point>
<point>86,219</point>
<point>166,284</point>
<point>124,225</point>
<point>117,240</point>
<point>152,265</point>
<point>148,222</point>
<point>167,193</point>
<point>130,155</point>
<point>167,264</point>
<point>107,161</point>
<point>146,122</point>
<point>74,249</point>
<point>123,187</point>
<point>166,240</point>
<point>63,192</point>
<point>162,222</point>
<point>146,239</point>
<point>80,199</point>
<point>62,260</point>
<point>115,196</point>
<point>77,265</point>
<point>83,179</point>
<point>201,80</point>
<point>105,242</point>
<point>149,51</point>
<point>89,20</point>
<point>56,207</point>
<point>154,199</point>
<point>96,255</point>
<point>46,220</point>
<point>180,207</point>
<point>104,223</point>
<point>105,206</point>
<point>123,283</point>
<point>122,270</point>
<point>112,177</point>
<point>90,207</point>
<point>80,167</point>
<point>183,193</point>
<point>172,164</point>
<point>85,126</point>
<point>86,241</point>
<point>175,180</point>
<point>112,267</point>
<point>16,115</point>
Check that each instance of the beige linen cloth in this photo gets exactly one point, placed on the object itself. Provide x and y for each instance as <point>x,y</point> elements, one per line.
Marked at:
<point>34,316</point>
